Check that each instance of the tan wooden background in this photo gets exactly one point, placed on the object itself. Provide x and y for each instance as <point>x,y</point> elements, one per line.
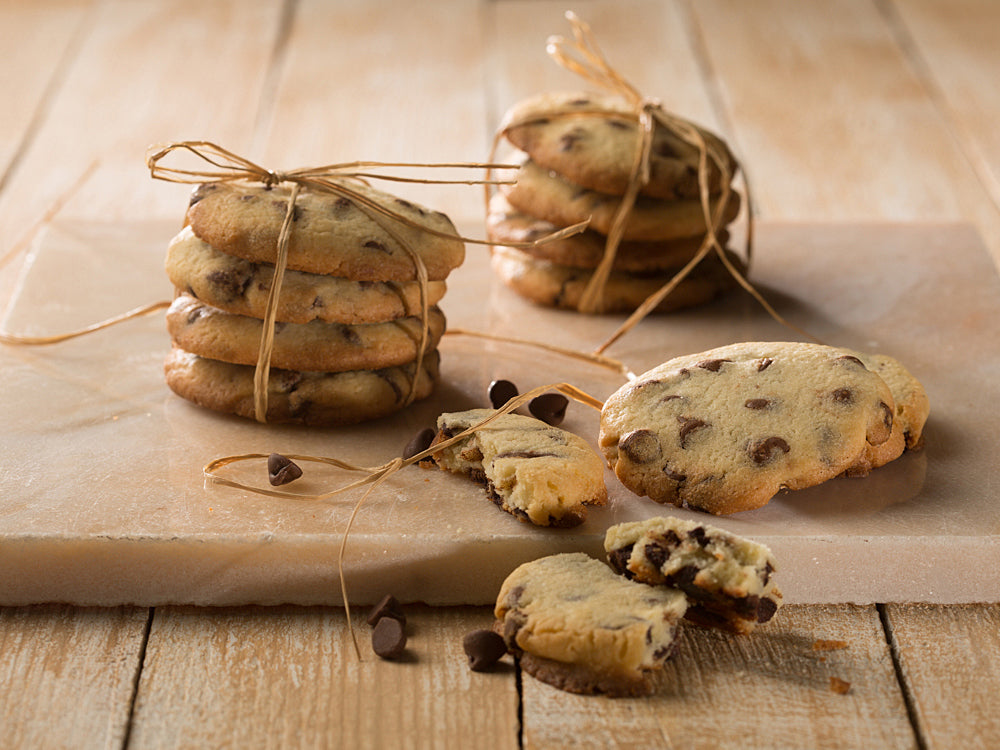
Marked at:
<point>842,111</point>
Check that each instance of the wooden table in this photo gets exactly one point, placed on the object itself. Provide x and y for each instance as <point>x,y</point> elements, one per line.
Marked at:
<point>844,111</point>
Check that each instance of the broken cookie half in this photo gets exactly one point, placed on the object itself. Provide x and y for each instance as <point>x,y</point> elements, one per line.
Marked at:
<point>727,579</point>
<point>538,473</point>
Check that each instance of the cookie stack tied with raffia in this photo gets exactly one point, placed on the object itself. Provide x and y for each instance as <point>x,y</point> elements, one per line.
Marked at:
<point>656,189</point>
<point>303,298</point>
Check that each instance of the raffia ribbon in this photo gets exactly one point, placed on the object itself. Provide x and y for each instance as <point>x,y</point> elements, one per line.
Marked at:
<point>226,166</point>
<point>582,56</point>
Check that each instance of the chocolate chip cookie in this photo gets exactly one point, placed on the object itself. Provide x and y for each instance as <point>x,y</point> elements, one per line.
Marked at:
<point>331,234</point>
<point>577,625</point>
<point>539,473</point>
<point>728,579</point>
<point>725,430</point>
<point>239,286</point>
<point>592,139</point>
<point>317,346</point>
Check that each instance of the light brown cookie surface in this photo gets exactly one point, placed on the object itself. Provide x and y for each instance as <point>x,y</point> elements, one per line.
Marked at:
<point>586,629</point>
<point>726,429</point>
<point>537,472</point>
<point>554,285</point>
<point>549,196</point>
<point>592,139</point>
<point>504,223</point>
<point>330,235</point>
<point>309,398</point>
<point>329,347</point>
<point>242,287</point>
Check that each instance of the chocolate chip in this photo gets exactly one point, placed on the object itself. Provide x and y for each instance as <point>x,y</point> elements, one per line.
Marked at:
<point>388,607</point>
<point>570,139</point>
<point>389,638</point>
<point>758,403</point>
<point>582,102</point>
<point>712,365</point>
<point>887,416</point>
<point>230,283</point>
<point>656,554</point>
<point>843,395</point>
<point>500,392</point>
<point>376,245</point>
<point>640,446</point>
<point>419,443</point>
<point>549,407</point>
<point>201,191</point>
<point>620,124</point>
<point>698,534</point>
<point>853,359</point>
<point>524,454</point>
<point>664,150</point>
<point>763,364</point>
<point>765,609</point>
<point>689,425</point>
<point>618,559</point>
<point>675,475</point>
<point>484,649</point>
<point>281,470</point>
<point>764,450</point>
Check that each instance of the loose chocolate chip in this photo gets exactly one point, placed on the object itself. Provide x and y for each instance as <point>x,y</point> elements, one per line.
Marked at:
<point>689,425</point>
<point>640,446</point>
<point>763,364</point>
<point>281,470</point>
<point>758,403</point>
<point>388,607</point>
<point>712,365</point>
<point>419,443</point>
<point>549,407</point>
<point>764,450</point>
<point>843,395</point>
<point>500,392</point>
<point>389,638</point>
<point>484,649</point>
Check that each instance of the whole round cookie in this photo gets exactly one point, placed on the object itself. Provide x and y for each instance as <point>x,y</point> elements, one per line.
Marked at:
<point>240,286</point>
<point>582,628</point>
<point>532,470</point>
<point>504,223</point>
<point>554,285</point>
<point>308,398</point>
<point>547,195</point>
<point>331,234</point>
<point>592,139</point>
<point>726,429</point>
<point>329,347</point>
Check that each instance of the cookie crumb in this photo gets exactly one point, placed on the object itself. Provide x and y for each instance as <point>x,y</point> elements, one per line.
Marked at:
<point>839,686</point>
<point>822,644</point>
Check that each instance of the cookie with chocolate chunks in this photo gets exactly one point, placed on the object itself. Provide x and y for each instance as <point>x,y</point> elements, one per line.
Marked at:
<point>240,286</point>
<point>331,233</point>
<point>592,139</point>
<point>539,473</point>
<point>578,626</point>
<point>729,580</point>
<point>299,397</point>
<point>727,429</point>
<point>316,346</point>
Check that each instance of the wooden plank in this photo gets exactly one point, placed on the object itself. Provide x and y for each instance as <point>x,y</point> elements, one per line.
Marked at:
<point>832,120</point>
<point>67,675</point>
<point>816,676</point>
<point>289,677</point>
<point>956,48</point>
<point>950,664</point>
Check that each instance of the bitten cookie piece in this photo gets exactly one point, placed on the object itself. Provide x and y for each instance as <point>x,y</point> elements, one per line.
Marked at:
<point>578,626</point>
<point>330,233</point>
<point>592,140</point>
<point>238,286</point>
<point>536,472</point>
<point>727,579</point>
<point>725,430</point>
<point>547,195</point>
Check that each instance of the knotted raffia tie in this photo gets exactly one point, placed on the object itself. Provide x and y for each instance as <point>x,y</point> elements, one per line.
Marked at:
<point>338,179</point>
<point>582,56</point>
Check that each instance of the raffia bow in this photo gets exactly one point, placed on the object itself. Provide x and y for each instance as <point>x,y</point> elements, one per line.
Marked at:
<point>582,56</point>
<point>338,179</point>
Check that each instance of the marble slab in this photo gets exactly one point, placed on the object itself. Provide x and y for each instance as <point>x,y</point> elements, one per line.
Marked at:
<point>102,498</point>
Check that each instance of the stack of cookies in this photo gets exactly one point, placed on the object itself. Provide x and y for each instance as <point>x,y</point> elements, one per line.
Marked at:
<point>577,152</point>
<point>349,317</point>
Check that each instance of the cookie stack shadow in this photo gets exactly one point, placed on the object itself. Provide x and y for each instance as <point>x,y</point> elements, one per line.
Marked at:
<point>349,323</point>
<point>576,155</point>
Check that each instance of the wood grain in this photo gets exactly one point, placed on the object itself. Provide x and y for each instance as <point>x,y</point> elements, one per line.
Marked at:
<point>67,674</point>
<point>780,687</point>
<point>950,663</point>
<point>288,677</point>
